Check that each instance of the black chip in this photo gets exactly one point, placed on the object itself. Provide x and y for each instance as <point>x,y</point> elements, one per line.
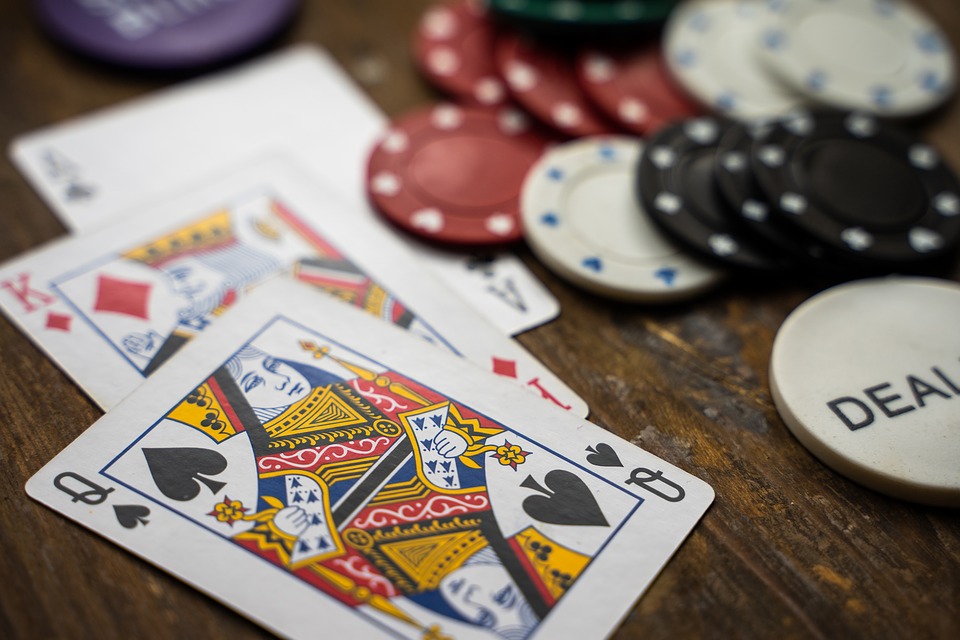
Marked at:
<point>862,188</point>
<point>676,183</point>
<point>739,186</point>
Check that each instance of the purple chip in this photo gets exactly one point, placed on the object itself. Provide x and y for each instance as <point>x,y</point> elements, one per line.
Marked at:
<point>164,34</point>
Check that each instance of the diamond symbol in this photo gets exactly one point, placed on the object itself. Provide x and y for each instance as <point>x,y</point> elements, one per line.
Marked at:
<point>58,321</point>
<point>666,274</point>
<point>122,296</point>
<point>430,220</point>
<point>550,219</point>
<point>594,264</point>
<point>503,367</point>
<point>857,238</point>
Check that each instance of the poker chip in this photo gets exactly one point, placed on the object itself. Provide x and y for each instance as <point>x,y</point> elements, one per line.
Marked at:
<point>743,194</point>
<point>711,48</point>
<point>582,220</point>
<point>543,82</point>
<point>453,174</point>
<point>876,195</point>
<point>582,17</point>
<point>453,48</point>
<point>675,180</point>
<point>867,377</point>
<point>633,87</point>
<point>873,55</point>
<point>177,36</point>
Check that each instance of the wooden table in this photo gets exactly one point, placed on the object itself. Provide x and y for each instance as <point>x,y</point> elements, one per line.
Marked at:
<point>790,549</point>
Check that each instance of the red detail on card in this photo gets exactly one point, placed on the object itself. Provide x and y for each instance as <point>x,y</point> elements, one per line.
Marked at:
<point>506,368</point>
<point>122,296</point>
<point>31,299</point>
<point>58,321</point>
<point>535,383</point>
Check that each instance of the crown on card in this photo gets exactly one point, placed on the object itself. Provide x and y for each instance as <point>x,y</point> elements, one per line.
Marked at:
<point>211,232</point>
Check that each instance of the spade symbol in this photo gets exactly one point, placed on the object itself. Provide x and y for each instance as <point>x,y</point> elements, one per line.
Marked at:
<point>130,515</point>
<point>603,455</point>
<point>566,500</point>
<point>177,471</point>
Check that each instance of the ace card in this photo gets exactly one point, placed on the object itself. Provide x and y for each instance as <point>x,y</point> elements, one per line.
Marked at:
<point>110,307</point>
<point>324,473</point>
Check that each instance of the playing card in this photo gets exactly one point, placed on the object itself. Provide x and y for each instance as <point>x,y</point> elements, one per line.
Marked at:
<point>514,299</point>
<point>317,470</point>
<point>96,167</point>
<point>111,306</point>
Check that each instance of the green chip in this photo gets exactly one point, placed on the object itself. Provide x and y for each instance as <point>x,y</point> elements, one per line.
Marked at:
<point>585,12</point>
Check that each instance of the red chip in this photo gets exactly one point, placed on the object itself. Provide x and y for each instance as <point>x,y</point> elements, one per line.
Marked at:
<point>634,88</point>
<point>453,174</point>
<point>453,48</point>
<point>543,82</point>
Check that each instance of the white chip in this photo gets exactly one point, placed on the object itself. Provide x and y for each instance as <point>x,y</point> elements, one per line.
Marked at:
<point>877,55</point>
<point>711,48</point>
<point>583,220</point>
<point>867,376</point>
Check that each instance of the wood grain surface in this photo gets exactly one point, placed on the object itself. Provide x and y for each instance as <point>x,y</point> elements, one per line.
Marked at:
<point>790,549</point>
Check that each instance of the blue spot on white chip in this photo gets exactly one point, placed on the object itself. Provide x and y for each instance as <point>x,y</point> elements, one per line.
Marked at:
<point>930,81</point>
<point>555,174</point>
<point>666,274</point>
<point>881,96</point>
<point>593,263</point>
<point>686,58</point>
<point>775,39</point>
<point>550,219</point>
<point>726,101</point>
<point>817,80</point>
<point>606,152</point>
<point>930,42</point>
